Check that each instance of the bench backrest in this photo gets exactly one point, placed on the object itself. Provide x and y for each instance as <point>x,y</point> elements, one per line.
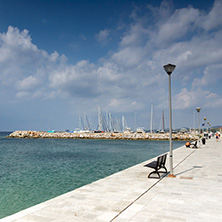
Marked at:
<point>159,162</point>
<point>163,162</point>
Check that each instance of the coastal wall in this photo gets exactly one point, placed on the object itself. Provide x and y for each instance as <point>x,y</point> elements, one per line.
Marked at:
<point>106,135</point>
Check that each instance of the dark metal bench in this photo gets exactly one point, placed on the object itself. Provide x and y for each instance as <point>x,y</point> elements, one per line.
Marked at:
<point>157,165</point>
<point>193,144</point>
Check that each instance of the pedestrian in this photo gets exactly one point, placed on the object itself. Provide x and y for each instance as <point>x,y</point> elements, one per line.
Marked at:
<point>217,137</point>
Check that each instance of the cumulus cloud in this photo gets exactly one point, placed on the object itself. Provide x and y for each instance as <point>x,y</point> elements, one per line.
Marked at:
<point>128,56</point>
<point>130,76</point>
<point>179,24</point>
<point>185,99</point>
<point>27,83</point>
<point>22,65</point>
<point>76,80</point>
<point>134,36</point>
<point>103,36</point>
<point>211,76</point>
<point>121,105</point>
<point>212,19</point>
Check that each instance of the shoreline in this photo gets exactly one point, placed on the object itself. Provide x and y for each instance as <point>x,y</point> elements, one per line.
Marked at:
<point>105,135</point>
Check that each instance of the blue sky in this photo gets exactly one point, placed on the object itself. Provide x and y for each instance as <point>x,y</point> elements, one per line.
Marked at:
<point>61,59</point>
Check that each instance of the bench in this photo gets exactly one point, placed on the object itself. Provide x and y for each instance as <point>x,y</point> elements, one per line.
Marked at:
<point>193,144</point>
<point>157,165</point>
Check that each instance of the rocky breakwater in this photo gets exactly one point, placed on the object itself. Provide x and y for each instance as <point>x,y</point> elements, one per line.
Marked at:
<point>91,135</point>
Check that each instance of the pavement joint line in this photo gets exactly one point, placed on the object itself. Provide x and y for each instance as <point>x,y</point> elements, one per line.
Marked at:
<point>150,187</point>
<point>138,197</point>
<point>184,159</point>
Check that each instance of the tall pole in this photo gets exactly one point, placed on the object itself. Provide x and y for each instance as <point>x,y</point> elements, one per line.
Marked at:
<point>198,111</point>
<point>163,125</point>
<point>100,125</point>
<point>151,119</point>
<point>170,128</point>
<point>205,122</point>
<point>135,121</point>
<point>169,69</point>
<point>194,122</point>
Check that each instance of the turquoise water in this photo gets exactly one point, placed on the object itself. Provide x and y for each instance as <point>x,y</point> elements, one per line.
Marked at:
<point>35,170</point>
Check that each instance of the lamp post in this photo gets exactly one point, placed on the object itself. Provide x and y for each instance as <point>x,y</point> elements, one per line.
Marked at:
<point>135,121</point>
<point>205,123</point>
<point>193,122</point>
<point>169,69</point>
<point>198,111</point>
<point>208,125</point>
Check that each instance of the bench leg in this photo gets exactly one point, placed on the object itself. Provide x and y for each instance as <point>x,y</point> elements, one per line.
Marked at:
<point>149,176</point>
<point>164,169</point>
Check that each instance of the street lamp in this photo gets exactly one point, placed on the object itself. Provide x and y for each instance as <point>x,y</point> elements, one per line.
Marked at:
<point>208,125</point>
<point>169,69</point>
<point>205,123</point>
<point>198,110</point>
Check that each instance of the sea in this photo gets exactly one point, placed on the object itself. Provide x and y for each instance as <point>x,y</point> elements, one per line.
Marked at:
<point>36,170</point>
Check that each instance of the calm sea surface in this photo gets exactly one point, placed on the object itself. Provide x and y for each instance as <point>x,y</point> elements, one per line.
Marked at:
<point>35,170</point>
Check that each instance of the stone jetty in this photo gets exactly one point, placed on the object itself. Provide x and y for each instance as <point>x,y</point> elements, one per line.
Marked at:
<point>105,135</point>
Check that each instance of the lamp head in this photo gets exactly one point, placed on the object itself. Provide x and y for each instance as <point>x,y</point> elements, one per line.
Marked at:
<point>169,68</point>
<point>198,109</point>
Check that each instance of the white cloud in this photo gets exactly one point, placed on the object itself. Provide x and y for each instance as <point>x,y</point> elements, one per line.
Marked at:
<point>212,74</point>
<point>123,104</point>
<point>23,67</point>
<point>109,72</point>
<point>128,56</point>
<point>23,94</point>
<point>103,36</point>
<point>131,77</point>
<point>15,39</point>
<point>27,83</point>
<point>76,80</point>
<point>134,36</point>
<point>186,99</point>
<point>213,19</point>
<point>178,25</point>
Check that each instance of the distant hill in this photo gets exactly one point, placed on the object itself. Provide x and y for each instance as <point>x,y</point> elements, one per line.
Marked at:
<point>216,126</point>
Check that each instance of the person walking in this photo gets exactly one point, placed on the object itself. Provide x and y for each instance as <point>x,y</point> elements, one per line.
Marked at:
<point>217,136</point>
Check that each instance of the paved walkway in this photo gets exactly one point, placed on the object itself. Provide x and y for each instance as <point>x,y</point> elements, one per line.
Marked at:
<point>194,195</point>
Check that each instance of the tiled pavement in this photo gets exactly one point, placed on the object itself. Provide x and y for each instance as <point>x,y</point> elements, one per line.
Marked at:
<point>194,195</point>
